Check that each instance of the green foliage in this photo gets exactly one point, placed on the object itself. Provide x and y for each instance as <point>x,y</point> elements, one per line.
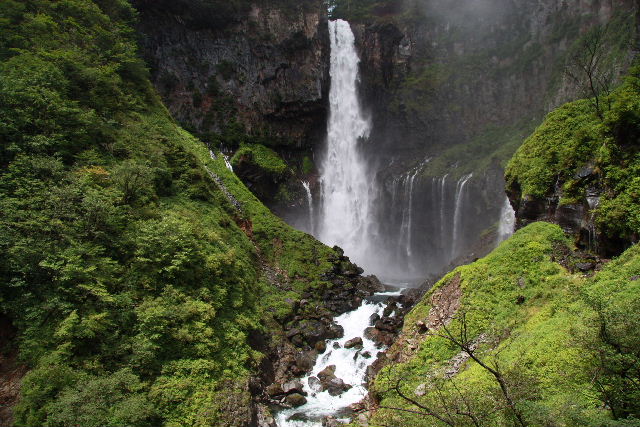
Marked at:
<point>539,325</point>
<point>614,297</point>
<point>573,137</point>
<point>307,165</point>
<point>132,279</point>
<point>563,143</point>
<point>113,400</point>
<point>260,156</point>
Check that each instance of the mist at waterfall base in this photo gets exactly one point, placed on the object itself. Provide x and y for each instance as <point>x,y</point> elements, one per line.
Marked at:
<point>404,228</point>
<point>418,225</point>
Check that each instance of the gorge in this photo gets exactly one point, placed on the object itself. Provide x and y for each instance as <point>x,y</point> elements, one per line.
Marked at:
<point>272,213</point>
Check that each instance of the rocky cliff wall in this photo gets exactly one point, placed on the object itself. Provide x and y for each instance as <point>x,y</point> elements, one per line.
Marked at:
<point>443,72</point>
<point>453,89</point>
<point>259,70</point>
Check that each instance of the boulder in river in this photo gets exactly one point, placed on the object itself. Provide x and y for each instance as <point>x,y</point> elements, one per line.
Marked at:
<point>328,380</point>
<point>305,360</point>
<point>379,337</point>
<point>293,386</point>
<point>336,386</point>
<point>315,384</point>
<point>354,343</point>
<point>327,373</point>
<point>374,318</point>
<point>299,416</point>
<point>295,400</point>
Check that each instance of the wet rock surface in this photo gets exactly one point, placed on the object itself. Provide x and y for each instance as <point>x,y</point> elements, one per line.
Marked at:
<point>328,380</point>
<point>354,343</point>
<point>306,332</point>
<point>264,68</point>
<point>295,400</point>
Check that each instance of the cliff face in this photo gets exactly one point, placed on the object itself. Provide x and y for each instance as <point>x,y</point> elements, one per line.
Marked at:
<point>260,70</point>
<point>453,90</point>
<point>443,72</point>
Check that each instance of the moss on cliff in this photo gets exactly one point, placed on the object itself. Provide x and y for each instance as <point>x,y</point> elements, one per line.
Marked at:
<point>575,152</point>
<point>260,156</point>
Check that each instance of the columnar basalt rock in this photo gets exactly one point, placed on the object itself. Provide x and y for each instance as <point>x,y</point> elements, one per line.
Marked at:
<point>264,71</point>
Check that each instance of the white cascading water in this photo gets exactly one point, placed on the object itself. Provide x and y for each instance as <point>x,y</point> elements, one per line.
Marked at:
<point>457,215</point>
<point>443,184</point>
<point>307,189</point>
<point>507,222</point>
<point>227,162</point>
<point>346,185</point>
<point>344,220</point>
<point>351,367</point>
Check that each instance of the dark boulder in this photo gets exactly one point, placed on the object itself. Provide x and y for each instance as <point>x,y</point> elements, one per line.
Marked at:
<point>274,390</point>
<point>374,318</point>
<point>296,400</point>
<point>354,343</point>
<point>336,386</point>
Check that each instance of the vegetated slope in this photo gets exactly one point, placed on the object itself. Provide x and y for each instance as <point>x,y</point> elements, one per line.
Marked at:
<point>581,169</point>
<point>245,72</point>
<point>565,346</point>
<point>134,266</point>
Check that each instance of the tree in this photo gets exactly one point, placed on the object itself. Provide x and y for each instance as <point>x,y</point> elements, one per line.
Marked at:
<point>589,68</point>
<point>456,408</point>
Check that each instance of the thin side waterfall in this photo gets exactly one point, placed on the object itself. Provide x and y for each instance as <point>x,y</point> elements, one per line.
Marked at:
<point>457,216</point>
<point>507,221</point>
<point>227,162</point>
<point>307,189</point>
<point>443,183</point>
<point>410,209</point>
<point>346,184</point>
<point>403,232</point>
<point>405,252</point>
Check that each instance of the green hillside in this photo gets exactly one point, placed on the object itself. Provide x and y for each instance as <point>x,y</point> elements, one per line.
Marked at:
<point>563,344</point>
<point>133,265</point>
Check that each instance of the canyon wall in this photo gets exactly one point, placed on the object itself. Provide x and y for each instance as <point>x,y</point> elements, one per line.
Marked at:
<point>262,74</point>
<point>453,90</point>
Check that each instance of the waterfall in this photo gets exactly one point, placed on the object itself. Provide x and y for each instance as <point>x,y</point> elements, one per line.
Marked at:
<point>457,213</point>
<point>344,218</point>
<point>443,236</point>
<point>305,184</point>
<point>227,162</point>
<point>507,221</point>
<point>346,184</point>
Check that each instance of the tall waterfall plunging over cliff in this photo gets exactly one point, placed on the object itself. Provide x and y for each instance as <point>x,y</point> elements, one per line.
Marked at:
<point>346,184</point>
